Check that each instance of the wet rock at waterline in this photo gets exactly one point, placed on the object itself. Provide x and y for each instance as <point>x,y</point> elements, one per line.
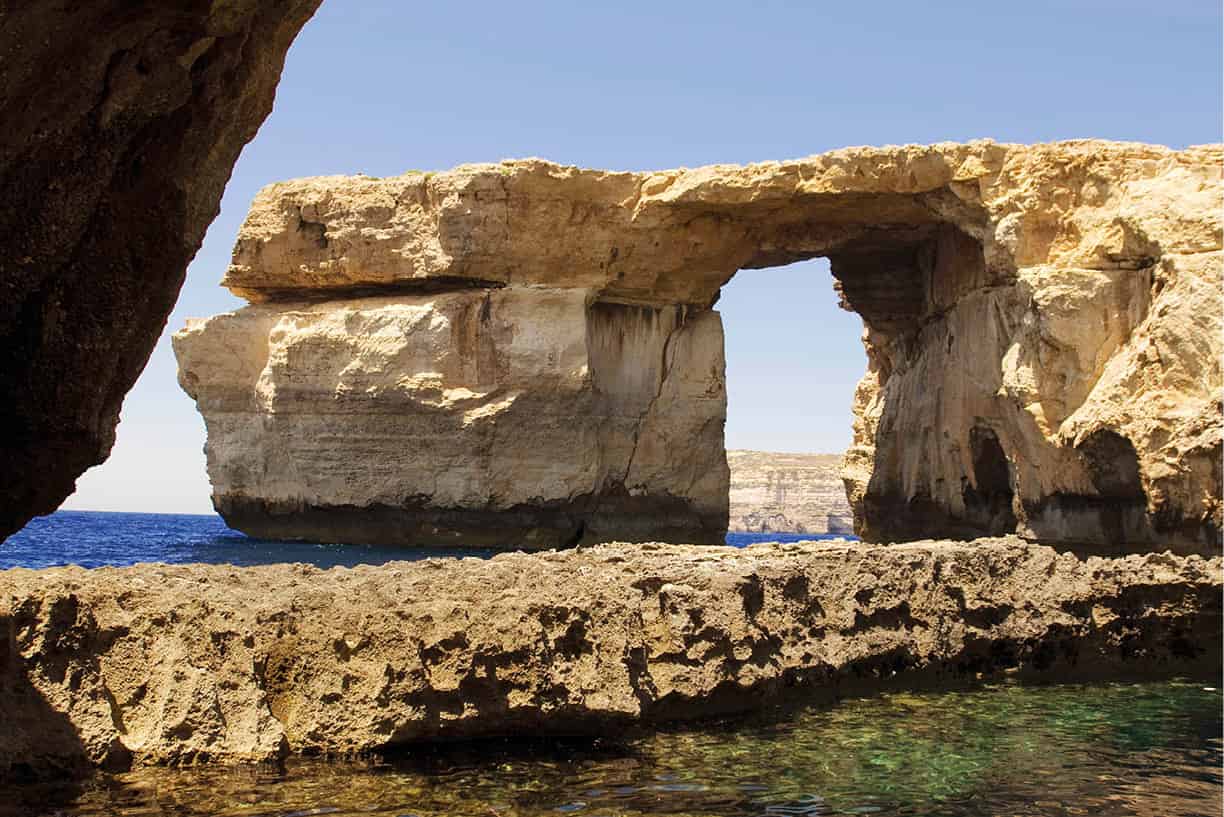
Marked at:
<point>178,664</point>
<point>122,123</point>
<point>1041,322</point>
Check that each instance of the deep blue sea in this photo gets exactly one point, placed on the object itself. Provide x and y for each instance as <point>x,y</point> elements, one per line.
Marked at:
<point>96,539</point>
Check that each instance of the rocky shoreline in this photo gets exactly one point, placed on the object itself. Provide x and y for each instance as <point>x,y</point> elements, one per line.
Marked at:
<point>182,664</point>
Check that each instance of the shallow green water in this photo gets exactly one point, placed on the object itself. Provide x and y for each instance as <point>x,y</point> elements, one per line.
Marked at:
<point>1150,748</point>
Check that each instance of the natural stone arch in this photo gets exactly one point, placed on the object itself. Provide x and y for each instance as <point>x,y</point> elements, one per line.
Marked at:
<point>156,105</point>
<point>135,144</point>
<point>1009,296</point>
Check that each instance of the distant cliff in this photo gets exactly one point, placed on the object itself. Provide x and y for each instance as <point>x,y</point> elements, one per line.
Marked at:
<point>799,493</point>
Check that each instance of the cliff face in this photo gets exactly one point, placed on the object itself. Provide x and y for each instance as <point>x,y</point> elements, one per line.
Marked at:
<point>122,122</point>
<point>180,664</point>
<point>1042,326</point>
<point>508,416</point>
<point>797,493</point>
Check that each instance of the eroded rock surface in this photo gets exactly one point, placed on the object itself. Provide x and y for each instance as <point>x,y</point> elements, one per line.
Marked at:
<point>786,492</point>
<point>176,664</point>
<point>508,416</point>
<point>1042,326</point>
<point>122,122</point>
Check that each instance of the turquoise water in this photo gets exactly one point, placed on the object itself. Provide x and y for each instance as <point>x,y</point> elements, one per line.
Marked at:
<point>1149,749</point>
<point>94,539</point>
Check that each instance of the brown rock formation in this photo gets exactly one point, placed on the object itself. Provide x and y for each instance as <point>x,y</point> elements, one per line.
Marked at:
<point>1042,326</point>
<point>154,664</point>
<point>507,416</point>
<point>797,493</point>
<point>122,122</point>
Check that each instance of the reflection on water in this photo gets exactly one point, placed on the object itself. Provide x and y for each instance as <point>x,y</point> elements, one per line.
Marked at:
<point>94,539</point>
<point>1150,748</point>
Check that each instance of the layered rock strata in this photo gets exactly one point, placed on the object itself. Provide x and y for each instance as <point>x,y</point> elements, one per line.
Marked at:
<point>122,122</point>
<point>181,664</point>
<point>780,492</point>
<point>1042,326</point>
<point>500,416</point>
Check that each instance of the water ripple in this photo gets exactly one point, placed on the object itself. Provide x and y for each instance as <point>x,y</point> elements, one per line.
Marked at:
<point>1112,749</point>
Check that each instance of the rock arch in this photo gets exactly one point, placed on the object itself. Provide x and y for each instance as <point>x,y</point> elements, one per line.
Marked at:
<point>536,349</point>
<point>135,145</point>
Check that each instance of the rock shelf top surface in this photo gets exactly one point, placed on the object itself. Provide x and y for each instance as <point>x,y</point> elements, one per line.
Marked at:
<point>184,663</point>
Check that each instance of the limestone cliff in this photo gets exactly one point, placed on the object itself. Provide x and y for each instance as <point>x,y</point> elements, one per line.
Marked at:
<point>511,416</point>
<point>1042,326</point>
<point>122,121</point>
<point>181,664</point>
<point>797,493</point>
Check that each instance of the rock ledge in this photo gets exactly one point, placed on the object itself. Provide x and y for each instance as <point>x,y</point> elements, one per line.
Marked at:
<point>181,664</point>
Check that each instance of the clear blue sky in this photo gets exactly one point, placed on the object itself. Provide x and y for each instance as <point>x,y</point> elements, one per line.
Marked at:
<point>380,87</point>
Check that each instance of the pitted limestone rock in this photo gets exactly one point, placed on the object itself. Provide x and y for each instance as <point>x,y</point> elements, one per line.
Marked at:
<point>176,664</point>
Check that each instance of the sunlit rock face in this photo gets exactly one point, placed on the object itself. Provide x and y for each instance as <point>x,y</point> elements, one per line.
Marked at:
<point>1041,323</point>
<point>121,124</point>
<point>180,664</point>
<point>517,416</point>
<point>793,493</point>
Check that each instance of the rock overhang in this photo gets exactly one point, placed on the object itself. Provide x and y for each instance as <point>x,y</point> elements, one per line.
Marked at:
<point>672,237</point>
<point>121,130</point>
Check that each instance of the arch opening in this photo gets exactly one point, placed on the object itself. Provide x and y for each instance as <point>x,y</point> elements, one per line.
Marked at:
<point>900,266</point>
<point>793,359</point>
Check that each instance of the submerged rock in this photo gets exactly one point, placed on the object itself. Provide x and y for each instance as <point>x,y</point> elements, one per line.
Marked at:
<point>179,664</point>
<point>1041,322</point>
